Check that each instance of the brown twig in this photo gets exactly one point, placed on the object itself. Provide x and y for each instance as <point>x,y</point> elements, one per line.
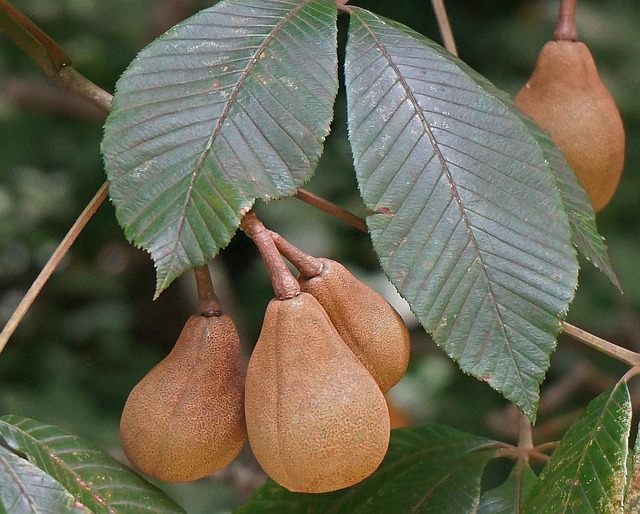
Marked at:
<point>445,27</point>
<point>51,265</point>
<point>332,209</point>
<point>602,345</point>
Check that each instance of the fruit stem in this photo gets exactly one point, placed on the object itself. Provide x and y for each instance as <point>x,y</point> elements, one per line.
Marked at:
<point>208,303</point>
<point>284,284</point>
<point>308,265</point>
<point>566,26</point>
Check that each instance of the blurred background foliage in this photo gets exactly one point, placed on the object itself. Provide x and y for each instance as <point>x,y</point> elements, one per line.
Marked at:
<point>95,331</point>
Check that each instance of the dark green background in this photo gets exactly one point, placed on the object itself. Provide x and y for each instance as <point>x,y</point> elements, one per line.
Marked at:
<point>95,330</point>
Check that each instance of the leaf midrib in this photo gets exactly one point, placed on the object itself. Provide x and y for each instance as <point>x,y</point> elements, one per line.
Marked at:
<point>469,228</point>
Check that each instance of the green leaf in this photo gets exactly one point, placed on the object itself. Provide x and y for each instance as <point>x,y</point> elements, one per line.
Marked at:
<point>228,106</point>
<point>582,218</point>
<point>25,489</point>
<point>508,497</point>
<point>632,494</point>
<point>467,220</point>
<point>587,471</point>
<point>92,477</point>
<point>427,469</point>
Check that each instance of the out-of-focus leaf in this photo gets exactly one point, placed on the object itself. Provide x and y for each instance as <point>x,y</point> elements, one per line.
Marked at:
<point>92,477</point>
<point>507,498</point>
<point>467,220</point>
<point>228,106</point>
<point>427,469</point>
<point>587,471</point>
<point>26,489</point>
<point>632,494</point>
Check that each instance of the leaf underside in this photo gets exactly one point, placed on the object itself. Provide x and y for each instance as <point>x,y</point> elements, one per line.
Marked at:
<point>228,106</point>
<point>466,217</point>
<point>587,471</point>
<point>25,489</point>
<point>427,469</point>
<point>97,481</point>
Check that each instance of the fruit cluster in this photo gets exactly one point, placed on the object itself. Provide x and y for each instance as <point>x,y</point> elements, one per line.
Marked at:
<point>312,403</point>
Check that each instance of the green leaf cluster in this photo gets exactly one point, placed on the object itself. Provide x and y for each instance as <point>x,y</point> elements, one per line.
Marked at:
<point>474,214</point>
<point>428,469</point>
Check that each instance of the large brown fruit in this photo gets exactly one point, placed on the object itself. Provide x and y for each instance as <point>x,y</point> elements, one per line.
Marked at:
<point>316,419</point>
<point>185,419</point>
<point>566,97</point>
<point>369,325</point>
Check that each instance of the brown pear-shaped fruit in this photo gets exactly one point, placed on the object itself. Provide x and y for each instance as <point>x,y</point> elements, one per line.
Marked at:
<point>369,325</point>
<point>316,419</point>
<point>185,419</point>
<point>566,97</point>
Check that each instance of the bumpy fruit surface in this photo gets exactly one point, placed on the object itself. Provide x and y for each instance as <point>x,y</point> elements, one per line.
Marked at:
<point>369,325</point>
<point>316,419</point>
<point>566,97</point>
<point>185,419</point>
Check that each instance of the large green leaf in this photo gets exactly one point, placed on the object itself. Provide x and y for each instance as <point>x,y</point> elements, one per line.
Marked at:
<point>587,471</point>
<point>92,477</point>
<point>507,498</point>
<point>26,489</point>
<point>228,106</point>
<point>427,469</point>
<point>467,220</point>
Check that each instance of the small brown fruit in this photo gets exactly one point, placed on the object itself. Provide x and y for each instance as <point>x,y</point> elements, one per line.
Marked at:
<point>185,419</point>
<point>316,419</point>
<point>566,97</point>
<point>369,325</point>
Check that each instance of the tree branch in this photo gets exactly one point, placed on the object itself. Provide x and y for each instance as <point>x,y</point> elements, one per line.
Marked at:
<point>51,265</point>
<point>602,345</point>
<point>445,27</point>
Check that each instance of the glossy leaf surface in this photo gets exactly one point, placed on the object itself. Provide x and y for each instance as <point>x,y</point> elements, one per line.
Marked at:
<point>587,471</point>
<point>231,105</point>
<point>467,220</point>
<point>93,478</point>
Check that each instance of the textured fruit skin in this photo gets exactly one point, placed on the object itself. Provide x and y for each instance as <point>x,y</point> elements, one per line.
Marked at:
<point>369,325</point>
<point>185,419</point>
<point>566,97</point>
<point>316,419</point>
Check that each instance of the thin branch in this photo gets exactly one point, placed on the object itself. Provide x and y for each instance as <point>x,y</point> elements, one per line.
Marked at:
<point>33,41</point>
<point>332,209</point>
<point>445,27</point>
<point>602,345</point>
<point>51,265</point>
<point>46,53</point>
